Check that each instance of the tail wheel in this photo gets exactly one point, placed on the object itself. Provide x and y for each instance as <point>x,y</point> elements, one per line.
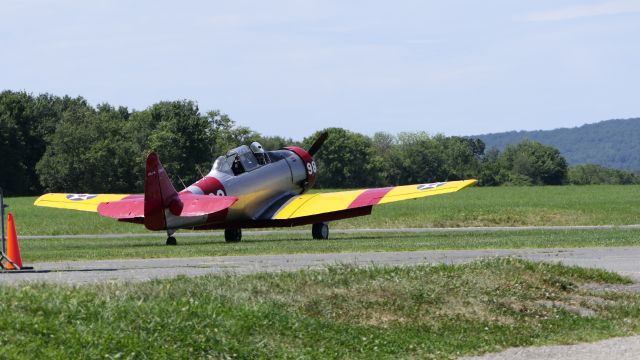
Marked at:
<point>320,231</point>
<point>232,235</point>
<point>172,241</point>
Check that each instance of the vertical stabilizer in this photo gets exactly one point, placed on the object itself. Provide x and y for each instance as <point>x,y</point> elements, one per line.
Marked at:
<point>159,195</point>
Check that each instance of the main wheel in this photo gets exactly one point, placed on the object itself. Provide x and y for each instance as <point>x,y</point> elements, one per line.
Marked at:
<point>172,241</point>
<point>320,231</point>
<point>232,235</point>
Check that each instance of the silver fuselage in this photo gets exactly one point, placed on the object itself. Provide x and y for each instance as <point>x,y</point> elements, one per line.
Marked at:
<point>258,190</point>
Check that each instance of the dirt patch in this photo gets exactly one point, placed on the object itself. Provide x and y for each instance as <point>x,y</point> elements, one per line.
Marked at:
<point>629,288</point>
<point>576,309</point>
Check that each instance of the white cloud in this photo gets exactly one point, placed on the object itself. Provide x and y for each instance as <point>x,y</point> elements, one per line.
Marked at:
<point>574,12</point>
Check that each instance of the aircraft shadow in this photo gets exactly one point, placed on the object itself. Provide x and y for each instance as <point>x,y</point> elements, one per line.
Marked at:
<point>35,271</point>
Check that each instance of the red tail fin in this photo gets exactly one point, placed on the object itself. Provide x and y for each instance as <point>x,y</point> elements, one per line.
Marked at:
<point>159,195</point>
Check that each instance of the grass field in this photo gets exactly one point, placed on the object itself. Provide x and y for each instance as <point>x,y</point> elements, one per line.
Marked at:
<point>38,250</point>
<point>501,206</point>
<point>344,312</point>
<point>504,206</point>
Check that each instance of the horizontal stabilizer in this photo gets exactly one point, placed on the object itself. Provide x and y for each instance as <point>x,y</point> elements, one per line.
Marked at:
<point>132,207</point>
<point>197,205</point>
<point>193,205</point>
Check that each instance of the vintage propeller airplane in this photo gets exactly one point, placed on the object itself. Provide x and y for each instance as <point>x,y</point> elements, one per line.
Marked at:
<point>247,188</point>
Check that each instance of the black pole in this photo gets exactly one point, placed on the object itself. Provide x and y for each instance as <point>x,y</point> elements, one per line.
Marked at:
<point>2,206</point>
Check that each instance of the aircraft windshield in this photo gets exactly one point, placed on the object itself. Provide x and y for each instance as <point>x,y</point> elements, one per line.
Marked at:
<point>241,159</point>
<point>221,165</point>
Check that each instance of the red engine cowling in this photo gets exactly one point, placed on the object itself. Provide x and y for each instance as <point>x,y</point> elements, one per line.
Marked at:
<point>309,165</point>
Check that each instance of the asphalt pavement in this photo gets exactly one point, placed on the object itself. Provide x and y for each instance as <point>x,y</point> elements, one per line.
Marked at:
<point>623,260</point>
<point>626,348</point>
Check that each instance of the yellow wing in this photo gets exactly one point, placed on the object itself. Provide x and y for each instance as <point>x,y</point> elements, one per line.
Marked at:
<point>321,203</point>
<point>84,202</point>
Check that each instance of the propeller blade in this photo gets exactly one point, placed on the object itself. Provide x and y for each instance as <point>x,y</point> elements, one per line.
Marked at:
<point>318,143</point>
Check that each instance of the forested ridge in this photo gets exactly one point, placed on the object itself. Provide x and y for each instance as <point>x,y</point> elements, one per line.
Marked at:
<point>610,143</point>
<point>64,144</point>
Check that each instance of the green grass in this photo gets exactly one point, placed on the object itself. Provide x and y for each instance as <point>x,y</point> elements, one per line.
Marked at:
<point>510,206</point>
<point>343,312</point>
<point>501,206</point>
<point>38,250</point>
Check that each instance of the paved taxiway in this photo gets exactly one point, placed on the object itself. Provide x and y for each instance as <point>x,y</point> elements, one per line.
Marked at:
<point>623,260</point>
<point>626,348</point>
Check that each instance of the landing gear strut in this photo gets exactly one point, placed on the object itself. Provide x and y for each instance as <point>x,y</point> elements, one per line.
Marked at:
<point>232,235</point>
<point>320,231</point>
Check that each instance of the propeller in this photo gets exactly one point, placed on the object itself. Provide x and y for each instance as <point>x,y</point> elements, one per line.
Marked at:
<point>318,143</point>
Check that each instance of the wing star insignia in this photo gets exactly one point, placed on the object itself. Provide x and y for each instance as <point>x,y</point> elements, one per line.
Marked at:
<point>430,186</point>
<point>81,197</point>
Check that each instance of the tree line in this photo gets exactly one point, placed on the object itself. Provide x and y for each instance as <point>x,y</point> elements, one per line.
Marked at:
<point>52,143</point>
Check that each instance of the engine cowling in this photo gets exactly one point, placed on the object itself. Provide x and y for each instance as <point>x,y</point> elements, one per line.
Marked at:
<point>309,164</point>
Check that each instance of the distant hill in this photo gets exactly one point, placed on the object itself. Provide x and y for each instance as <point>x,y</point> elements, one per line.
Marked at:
<point>611,143</point>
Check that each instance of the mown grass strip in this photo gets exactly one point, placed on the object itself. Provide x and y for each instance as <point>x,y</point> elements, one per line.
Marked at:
<point>38,250</point>
<point>343,312</point>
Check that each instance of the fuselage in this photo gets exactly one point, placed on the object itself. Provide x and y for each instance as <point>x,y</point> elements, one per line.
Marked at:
<point>261,183</point>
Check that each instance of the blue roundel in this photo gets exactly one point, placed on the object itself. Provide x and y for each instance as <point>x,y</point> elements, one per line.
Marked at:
<point>81,197</point>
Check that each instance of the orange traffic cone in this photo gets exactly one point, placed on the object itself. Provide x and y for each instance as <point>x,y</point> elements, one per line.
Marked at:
<point>13,250</point>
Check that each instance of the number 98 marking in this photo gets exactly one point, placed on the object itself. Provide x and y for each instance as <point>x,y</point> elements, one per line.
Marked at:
<point>311,168</point>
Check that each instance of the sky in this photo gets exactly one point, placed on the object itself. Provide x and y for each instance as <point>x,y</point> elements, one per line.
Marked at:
<point>290,68</point>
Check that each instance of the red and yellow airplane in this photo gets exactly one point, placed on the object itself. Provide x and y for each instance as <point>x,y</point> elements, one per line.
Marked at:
<point>247,188</point>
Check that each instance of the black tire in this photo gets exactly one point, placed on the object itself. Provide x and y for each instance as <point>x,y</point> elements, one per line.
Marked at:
<point>320,231</point>
<point>232,235</point>
<point>172,241</point>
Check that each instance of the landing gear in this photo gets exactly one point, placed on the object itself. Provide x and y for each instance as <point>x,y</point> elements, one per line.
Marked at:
<point>232,235</point>
<point>320,231</point>
<point>172,241</point>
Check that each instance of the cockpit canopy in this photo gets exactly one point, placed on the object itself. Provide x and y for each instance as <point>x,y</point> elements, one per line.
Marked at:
<point>237,161</point>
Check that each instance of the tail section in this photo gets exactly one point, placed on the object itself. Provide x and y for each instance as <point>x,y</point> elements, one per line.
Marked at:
<point>159,194</point>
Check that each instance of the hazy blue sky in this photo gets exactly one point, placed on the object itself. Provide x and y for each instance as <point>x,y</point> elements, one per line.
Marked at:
<point>292,67</point>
